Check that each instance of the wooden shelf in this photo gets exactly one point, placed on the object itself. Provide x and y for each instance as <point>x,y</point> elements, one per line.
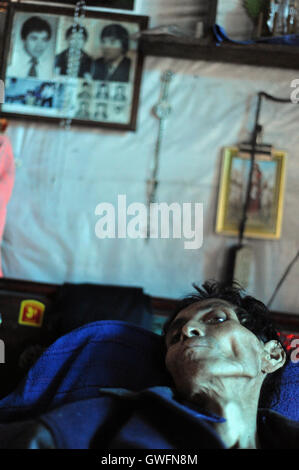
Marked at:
<point>265,55</point>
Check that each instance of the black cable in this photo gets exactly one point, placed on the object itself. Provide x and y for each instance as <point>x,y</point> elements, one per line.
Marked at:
<point>257,129</point>
<point>274,98</point>
<point>252,158</point>
<point>283,279</point>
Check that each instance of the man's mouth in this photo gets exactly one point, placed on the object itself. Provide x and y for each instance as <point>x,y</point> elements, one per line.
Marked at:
<point>195,343</point>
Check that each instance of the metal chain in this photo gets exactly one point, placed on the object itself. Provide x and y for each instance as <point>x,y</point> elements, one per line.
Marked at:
<point>74,57</point>
<point>161,110</point>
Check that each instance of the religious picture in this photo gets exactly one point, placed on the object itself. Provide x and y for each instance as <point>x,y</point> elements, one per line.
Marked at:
<point>87,71</point>
<point>265,205</point>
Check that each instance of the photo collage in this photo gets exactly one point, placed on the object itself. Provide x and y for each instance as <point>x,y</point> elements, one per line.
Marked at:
<point>58,68</point>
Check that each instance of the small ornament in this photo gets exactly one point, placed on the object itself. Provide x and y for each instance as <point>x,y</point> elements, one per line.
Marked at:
<point>254,8</point>
<point>73,64</point>
<point>161,110</point>
<point>31,313</point>
<point>258,10</point>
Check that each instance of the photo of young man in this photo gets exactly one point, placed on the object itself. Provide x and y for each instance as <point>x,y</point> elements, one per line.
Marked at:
<point>113,65</point>
<point>31,54</point>
<point>101,112</point>
<point>75,36</point>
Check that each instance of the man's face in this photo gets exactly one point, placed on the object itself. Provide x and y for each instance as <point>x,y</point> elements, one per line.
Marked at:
<point>77,40</point>
<point>206,341</point>
<point>36,43</point>
<point>83,107</point>
<point>111,48</point>
<point>48,90</point>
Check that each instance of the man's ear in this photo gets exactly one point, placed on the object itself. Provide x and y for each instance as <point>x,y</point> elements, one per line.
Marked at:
<point>274,356</point>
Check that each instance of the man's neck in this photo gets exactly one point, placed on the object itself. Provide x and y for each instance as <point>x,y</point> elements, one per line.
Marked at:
<point>115,63</point>
<point>239,431</point>
<point>239,409</point>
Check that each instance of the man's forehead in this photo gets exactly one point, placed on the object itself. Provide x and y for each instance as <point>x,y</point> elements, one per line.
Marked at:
<point>204,304</point>
<point>42,33</point>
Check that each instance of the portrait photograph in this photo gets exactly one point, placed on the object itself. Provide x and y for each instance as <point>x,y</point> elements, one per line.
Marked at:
<point>31,52</point>
<point>40,97</point>
<point>71,49</point>
<point>93,66</point>
<point>265,207</point>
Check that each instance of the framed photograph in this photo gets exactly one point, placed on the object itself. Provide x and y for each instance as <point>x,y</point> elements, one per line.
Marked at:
<point>266,197</point>
<point>88,71</point>
<point>119,4</point>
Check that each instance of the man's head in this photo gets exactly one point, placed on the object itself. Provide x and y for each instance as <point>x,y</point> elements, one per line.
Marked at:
<point>114,42</point>
<point>83,107</point>
<point>101,106</point>
<point>47,88</point>
<point>76,34</point>
<point>218,333</point>
<point>36,34</point>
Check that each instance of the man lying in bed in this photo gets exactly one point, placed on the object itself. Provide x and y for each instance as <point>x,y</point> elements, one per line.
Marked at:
<point>225,360</point>
<point>225,357</point>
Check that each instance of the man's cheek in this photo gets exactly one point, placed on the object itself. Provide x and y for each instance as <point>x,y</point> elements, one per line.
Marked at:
<point>167,361</point>
<point>172,361</point>
<point>248,355</point>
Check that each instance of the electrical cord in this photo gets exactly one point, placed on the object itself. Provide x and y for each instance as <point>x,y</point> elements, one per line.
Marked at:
<point>257,130</point>
<point>291,264</point>
<point>274,98</point>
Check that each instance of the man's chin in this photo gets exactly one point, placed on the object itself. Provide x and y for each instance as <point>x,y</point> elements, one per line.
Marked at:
<point>205,369</point>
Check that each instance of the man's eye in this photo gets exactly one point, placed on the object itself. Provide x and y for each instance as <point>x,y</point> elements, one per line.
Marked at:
<point>175,338</point>
<point>215,319</point>
<point>245,320</point>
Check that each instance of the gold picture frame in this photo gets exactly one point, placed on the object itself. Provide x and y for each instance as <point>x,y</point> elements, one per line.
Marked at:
<point>267,193</point>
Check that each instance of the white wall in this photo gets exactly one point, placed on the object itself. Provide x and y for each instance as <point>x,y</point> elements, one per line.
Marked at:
<point>62,176</point>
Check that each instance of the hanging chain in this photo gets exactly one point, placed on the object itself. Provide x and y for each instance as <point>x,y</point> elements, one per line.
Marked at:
<point>161,110</point>
<point>74,58</point>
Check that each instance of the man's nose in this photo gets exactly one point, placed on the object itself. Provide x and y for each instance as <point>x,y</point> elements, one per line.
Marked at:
<point>192,329</point>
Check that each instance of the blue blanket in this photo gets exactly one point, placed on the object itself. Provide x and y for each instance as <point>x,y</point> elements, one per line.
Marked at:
<point>112,354</point>
<point>286,40</point>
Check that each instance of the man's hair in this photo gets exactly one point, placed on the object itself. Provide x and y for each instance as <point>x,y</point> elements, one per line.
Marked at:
<point>253,314</point>
<point>76,29</point>
<point>119,32</point>
<point>35,23</point>
<point>44,84</point>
